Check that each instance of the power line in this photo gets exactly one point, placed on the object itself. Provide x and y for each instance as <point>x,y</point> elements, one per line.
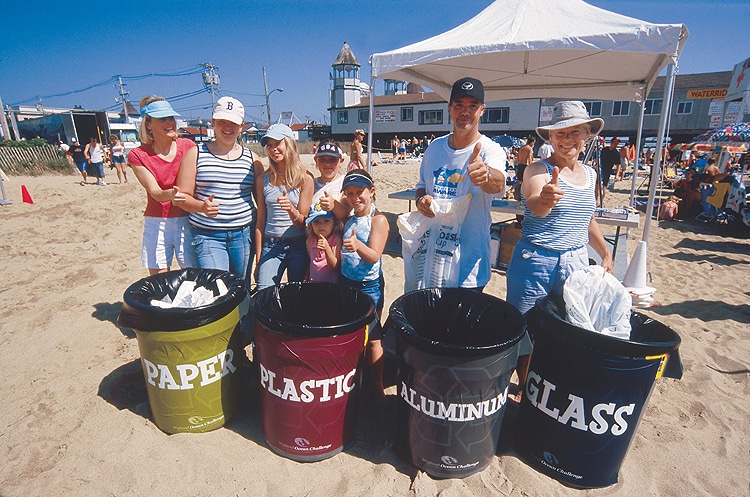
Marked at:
<point>114,79</point>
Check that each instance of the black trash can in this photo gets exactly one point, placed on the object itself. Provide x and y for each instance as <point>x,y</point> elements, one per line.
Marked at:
<point>309,342</point>
<point>190,356</point>
<point>586,393</point>
<point>456,350</point>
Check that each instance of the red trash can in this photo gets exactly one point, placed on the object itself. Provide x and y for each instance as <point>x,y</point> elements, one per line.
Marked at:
<point>309,342</point>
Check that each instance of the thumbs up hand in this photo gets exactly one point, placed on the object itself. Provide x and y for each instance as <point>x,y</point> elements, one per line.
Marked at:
<point>284,201</point>
<point>551,193</point>
<point>478,171</point>
<point>323,242</point>
<point>177,196</point>
<point>326,201</point>
<point>352,244</point>
<point>210,208</point>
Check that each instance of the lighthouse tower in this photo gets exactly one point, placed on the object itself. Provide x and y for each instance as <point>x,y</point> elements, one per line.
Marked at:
<point>347,90</point>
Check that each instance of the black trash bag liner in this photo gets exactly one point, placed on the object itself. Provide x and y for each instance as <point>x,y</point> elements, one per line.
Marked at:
<point>313,309</point>
<point>456,321</point>
<point>647,337</point>
<point>138,313</point>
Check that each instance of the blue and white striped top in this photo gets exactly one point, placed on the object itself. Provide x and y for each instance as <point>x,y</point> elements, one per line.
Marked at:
<point>566,227</point>
<point>231,182</point>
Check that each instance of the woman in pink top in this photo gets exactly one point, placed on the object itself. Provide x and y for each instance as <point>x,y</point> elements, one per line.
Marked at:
<point>166,231</point>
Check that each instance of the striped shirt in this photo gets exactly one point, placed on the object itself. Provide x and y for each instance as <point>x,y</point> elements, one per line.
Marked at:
<point>566,227</point>
<point>231,182</point>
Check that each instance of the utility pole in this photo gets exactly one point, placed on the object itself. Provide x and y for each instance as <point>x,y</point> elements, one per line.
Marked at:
<point>210,79</point>
<point>4,122</point>
<point>268,105</point>
<point>123,99</point>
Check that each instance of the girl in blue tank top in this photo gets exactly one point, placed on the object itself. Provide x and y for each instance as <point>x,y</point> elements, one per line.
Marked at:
<point>365,235</point>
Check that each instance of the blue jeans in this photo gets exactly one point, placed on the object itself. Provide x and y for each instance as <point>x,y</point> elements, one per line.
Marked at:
<point>226,250</point>
<point>279,255</point>
<point>372,288</point>
<point>535,272</point>
<point>97,169</point>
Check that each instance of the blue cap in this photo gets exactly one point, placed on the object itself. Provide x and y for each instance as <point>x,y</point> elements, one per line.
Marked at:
<point>357,177</point>
<point>158,109</point>
<point>329,149</point>
<point>277,132</point>
<point>317,212</point>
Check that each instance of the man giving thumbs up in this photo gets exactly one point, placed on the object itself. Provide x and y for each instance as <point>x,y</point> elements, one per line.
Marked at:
<point>461,163</point>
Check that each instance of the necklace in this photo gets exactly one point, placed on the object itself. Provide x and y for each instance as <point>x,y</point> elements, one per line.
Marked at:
<point>222,155</point>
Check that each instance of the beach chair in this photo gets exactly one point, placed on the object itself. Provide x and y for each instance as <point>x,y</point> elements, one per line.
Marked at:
<point>714,199</point>
<point>383,160</point>
<point>670,176</point>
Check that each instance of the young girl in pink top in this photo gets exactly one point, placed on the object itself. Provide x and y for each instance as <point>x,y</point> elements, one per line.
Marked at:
<point>323,245</point>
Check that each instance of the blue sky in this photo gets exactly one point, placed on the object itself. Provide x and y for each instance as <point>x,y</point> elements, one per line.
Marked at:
<point>70,57</point>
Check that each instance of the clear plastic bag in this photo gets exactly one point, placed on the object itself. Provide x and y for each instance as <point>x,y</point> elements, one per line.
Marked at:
<point>431,247</point>
<point>595,300</point>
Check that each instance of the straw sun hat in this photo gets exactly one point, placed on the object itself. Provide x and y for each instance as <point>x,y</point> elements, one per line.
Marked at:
<point>569,113</point>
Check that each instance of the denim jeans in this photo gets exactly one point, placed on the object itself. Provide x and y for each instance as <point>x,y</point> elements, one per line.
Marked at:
<point>279,255</point>
<point>535,272</point>
<point>96,169</point>
<point>226,250</point>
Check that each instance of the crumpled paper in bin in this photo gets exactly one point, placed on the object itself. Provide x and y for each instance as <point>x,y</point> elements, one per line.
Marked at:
<point>597,301</point>
<point>188,296</point>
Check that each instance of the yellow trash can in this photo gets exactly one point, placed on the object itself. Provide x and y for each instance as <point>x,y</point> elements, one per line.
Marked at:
<point>190,356</point>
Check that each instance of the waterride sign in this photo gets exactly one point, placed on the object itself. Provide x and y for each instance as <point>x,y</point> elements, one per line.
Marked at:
<point>707,93</point>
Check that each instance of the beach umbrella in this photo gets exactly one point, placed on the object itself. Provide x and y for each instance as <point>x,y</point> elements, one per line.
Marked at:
<point>508,141</point>
<point>733,134</point>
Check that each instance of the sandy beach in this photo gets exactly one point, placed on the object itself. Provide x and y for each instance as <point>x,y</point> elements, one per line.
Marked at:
<point>76,420</point>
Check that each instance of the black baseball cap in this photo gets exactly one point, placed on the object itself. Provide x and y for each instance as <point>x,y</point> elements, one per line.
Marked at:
<point>468,87</point>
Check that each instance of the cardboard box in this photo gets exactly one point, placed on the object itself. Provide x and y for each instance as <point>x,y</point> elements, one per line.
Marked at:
<point>510,235</point>
<point>503,239</point>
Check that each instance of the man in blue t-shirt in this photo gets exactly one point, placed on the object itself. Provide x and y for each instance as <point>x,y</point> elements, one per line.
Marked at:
<point>78,152</point>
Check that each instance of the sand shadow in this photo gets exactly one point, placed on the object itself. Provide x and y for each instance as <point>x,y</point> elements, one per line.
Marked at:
<point>728,247</point>
<point>247,423</point>
<point>125,388</point>
<point>706,310</point>
<point>393,244</point>
<point>107,311</point>
<point>737,230</point>
<point>718,260</point>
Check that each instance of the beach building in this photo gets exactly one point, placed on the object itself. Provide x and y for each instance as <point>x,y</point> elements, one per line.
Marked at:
<point>700,102</point>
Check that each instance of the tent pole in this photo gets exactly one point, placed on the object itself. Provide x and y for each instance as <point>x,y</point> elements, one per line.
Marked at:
<point>656,169</point>
<point>369,120</point>
<point>638,150</point>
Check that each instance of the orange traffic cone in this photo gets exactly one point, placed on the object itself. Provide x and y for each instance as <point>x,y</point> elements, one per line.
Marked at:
<point>25,195</point>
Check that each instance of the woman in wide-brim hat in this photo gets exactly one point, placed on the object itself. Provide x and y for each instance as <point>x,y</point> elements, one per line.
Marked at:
<point>558,220</point>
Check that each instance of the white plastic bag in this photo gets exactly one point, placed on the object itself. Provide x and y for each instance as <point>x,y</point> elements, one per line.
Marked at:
<point>431,247</point>
<point>596,301</point>
<point>189,296</point>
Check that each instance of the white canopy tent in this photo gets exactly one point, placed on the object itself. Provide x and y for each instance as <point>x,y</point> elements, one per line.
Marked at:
<point>537,49</point>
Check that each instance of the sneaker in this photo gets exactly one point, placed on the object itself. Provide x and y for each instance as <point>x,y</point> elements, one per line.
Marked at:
<point>103,183</point>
